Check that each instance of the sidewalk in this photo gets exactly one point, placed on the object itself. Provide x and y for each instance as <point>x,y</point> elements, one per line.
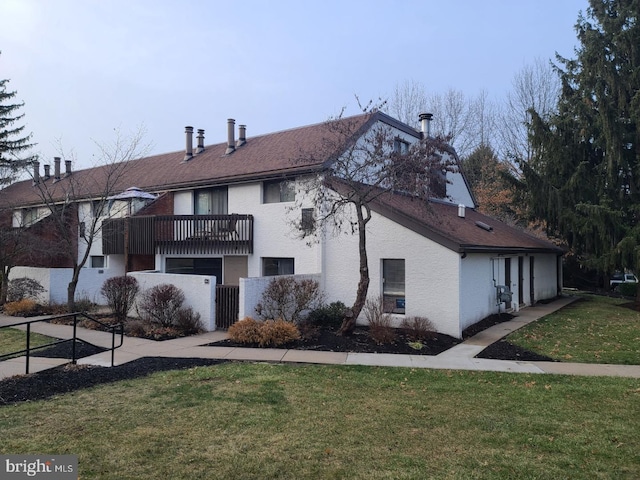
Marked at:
<point>460,357</point>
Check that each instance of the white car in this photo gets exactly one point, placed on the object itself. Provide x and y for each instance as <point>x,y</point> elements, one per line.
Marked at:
<point>618,278</point>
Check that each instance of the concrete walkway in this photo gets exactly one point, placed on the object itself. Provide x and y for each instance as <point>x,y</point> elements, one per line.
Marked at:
<point>460,357</point>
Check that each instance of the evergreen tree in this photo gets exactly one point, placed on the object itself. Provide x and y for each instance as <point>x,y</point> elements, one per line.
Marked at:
<point>13,144</point>
<point>583,179</point>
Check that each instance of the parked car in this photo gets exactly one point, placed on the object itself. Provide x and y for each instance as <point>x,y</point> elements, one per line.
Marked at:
<point>618,278</point>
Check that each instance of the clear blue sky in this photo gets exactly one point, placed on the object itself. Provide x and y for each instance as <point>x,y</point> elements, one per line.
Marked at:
<point>85,67</point>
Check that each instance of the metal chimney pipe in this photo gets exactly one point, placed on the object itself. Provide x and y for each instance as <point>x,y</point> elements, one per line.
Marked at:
<point>461,210</point>
<point>36,172</point>
<point>47,171</point>
<point>200,138</point>
<point>189,147</point>
<point>242,135</point>
<point>425,124</point>
<point>231,142</point>
<point>67,167</point>
<point>56,168</point>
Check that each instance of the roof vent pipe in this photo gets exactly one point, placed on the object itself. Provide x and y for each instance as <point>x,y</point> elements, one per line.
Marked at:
<point>231,142</point>
<point>200,138</point>
<point>188,153</point>
<point>461,210</point>
<point>67,167</point>
<point>56,168</point>
<point>47,171</point>
<point>36,173</point>
<point>242,135</point>
<point>425,124</point>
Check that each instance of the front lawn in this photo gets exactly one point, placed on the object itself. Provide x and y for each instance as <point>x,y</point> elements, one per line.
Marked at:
<point>594,329</point>
<point>13,340</point>
<point>243,421</point>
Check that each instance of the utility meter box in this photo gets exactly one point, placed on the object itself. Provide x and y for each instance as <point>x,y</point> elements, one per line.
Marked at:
<point>504,294</point>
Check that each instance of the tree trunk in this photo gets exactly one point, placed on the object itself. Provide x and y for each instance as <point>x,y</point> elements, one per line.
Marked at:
<point>349,321</point>
<point>4,285</point>
<point>71,290</point>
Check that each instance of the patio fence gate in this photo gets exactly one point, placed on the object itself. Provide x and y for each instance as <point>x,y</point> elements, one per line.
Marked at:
<point>227,305</point>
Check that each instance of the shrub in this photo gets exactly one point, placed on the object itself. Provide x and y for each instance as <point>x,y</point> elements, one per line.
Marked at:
<point>161,304</point>
<point>136,328</point>
<point>120,293</point>
<point>246,330</point>
<point>328,315</point>
<point>380,328</point>
<point>277,332</point>
<point>288,299</point>
<point>21,307</point>
<point>23,287</point>
<point>418,328</point>
<point>267,333</point>
<point>188,322</point>
<point>84,304</point>
<point>628,289</point>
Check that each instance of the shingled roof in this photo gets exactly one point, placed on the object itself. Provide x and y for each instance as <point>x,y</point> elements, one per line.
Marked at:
<point>475,232</point>
<point>285,153</point>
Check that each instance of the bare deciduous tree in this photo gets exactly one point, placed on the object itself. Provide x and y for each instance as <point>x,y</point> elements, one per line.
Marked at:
<point>535,87</point>
<point>78,201</point>
<point>365,163</point>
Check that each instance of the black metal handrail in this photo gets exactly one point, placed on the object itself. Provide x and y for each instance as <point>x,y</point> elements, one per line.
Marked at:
<point>114,329</point>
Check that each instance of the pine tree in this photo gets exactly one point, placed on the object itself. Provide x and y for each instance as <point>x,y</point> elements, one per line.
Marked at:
<point>13,144</point>
<point>584,177</point>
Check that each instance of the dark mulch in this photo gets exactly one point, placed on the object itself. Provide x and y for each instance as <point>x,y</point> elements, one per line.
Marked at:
<point>64,350</point>
<point>361,342</point>
<point>487,322</point>
<point>68,378</point>
<point>503,350</point>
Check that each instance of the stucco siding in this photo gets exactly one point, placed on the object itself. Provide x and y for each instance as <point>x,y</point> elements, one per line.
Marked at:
<point>431,278</point>
<point>477,290</point>
<point>545,277</point>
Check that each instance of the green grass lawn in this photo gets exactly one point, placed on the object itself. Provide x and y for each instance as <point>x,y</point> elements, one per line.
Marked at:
<point>263,421</point>
<point>594,329</point>
<point>13,340</point>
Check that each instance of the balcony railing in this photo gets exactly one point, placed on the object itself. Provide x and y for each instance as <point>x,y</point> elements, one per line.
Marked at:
<point>178,234</point>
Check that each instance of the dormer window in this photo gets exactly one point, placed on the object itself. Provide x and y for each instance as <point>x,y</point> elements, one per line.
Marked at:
<point>400,146</point>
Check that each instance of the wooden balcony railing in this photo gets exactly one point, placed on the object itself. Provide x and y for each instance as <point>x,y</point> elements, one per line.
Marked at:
<point>178,234</point>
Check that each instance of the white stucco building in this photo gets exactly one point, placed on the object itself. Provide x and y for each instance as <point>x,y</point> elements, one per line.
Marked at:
<point>226,212</point>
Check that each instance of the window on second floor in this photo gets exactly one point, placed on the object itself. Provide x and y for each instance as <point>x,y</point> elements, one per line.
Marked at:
<point>29,216</point>
<point>99,208</point>
<point>308,220</point>
<point>277,191</point>
<point>400,146</point>
<point>97,261</point>
<point>211,201</point>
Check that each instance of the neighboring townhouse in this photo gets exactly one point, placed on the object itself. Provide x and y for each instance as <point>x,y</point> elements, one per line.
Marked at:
<point>234,211</point>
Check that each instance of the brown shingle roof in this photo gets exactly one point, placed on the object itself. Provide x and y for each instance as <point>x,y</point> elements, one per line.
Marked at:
<point>276,154</point>
<point>440,222</point>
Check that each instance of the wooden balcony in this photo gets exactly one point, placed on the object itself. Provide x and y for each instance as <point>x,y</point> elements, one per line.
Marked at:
<point>178,234</point>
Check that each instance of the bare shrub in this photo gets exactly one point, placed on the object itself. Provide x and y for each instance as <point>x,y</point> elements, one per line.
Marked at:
<point>120,293</point>
<point>136,328</point>
<point>418,328</point>
<point>277,332</point>
<point>246,330</point>
<point>21,307</point>
<point>23,287</point>
<point>188,322</point>
<point>161,304</point>
<point>288,299</point>
<point>380,328</point>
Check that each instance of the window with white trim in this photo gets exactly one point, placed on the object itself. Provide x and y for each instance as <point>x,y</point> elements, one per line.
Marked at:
<point>393,285</point>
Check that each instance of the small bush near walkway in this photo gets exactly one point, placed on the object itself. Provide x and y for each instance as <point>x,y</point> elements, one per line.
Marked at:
<point>269,333</point>
<point>120,293</point>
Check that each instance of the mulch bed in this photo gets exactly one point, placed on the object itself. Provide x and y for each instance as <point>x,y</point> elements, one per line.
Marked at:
<point>68,378</point>
<point>360,341</point>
